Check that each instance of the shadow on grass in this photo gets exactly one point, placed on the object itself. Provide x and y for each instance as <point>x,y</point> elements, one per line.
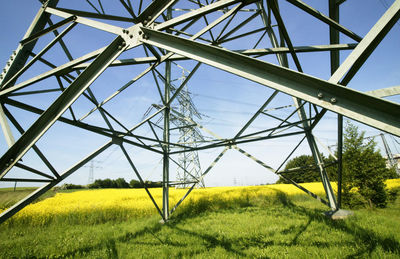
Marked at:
<point>211,241</point>
<point>110,243</point>
<point>134,239</point>
<point>191,211</point>
<point>368,238</point>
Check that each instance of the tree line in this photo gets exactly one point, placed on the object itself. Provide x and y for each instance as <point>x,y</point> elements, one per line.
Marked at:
<point>110,183</point>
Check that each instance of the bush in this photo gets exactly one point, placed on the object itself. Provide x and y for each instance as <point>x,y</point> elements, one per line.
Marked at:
<point>106,183</point>
<point>122,183</point>
<point>364,171</point>
<point>135,184</point>
<point>149,184</point>
<point>305,169</point>
<point>70,186</point>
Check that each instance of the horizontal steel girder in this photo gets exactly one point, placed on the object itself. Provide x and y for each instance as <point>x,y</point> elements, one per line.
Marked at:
<point>247,52</point>
<point>356,105</point>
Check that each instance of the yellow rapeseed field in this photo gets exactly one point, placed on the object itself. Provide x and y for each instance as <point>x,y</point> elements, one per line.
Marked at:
<point>393,183</point>
<point>96,206</point>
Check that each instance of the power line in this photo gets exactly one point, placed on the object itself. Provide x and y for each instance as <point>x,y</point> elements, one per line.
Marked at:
<point>386,6</point>
<point>226,100</point>
<point>394,144</point>
<point>227,111</point>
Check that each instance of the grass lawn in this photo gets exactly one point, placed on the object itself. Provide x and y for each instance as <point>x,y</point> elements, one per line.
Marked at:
<point>279,227</point>
<point>9,197</point>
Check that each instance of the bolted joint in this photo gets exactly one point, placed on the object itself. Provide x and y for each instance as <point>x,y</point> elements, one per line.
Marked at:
<point>230,144</point>
<point>131,35</point>
<point>117,140</point>
<point>333,100</point>
<point>9,162</point>
<point>121,46</point>
<point>146,37</point>
<point>320,95</point>
<point>74,18</point>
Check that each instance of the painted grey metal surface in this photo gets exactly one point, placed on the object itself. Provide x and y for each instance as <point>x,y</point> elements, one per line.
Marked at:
<point>385,92</point>
<point>356,105</point>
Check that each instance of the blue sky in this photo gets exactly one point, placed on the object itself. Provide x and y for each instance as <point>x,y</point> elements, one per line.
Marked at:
<point>226,101</point>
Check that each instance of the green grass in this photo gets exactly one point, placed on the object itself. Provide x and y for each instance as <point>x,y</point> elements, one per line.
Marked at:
<point>9,197</point>
<point>279,227</point>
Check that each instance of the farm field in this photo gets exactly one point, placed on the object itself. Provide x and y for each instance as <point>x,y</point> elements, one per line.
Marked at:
<point>273,221</point>
<point>8,196</point>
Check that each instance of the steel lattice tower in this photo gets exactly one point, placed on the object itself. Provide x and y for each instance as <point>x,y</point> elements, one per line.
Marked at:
<point>64,74</point>
<point>188,163</point>
<point>189,171</point>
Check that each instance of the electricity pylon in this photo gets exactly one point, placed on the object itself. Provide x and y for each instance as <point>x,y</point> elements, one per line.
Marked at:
<point>92,166</point>
<point>188,166</point>
<point>79,62</point>
<point>389,154</point>
<point>189,169</point>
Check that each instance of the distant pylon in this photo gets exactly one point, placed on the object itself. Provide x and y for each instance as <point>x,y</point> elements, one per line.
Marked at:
<point>389,154</point>
<point>91,171</point>
<point>189,168</point>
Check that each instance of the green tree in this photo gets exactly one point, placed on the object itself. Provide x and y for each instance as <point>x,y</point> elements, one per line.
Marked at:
<point>121,183</point>
<point>135,184</point>
<point>106,183</point>
<point>364,170</point>
<point>302,169</point>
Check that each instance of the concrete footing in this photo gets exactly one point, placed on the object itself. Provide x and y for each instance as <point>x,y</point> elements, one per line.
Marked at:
<point>339,214</point>
<point>162,221</point>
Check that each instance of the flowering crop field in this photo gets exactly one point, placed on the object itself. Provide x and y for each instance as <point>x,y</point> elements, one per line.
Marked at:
<point>393,183</point>
<point>273,221</point>
<point>98,206</point>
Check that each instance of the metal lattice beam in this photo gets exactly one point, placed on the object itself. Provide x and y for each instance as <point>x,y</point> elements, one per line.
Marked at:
<point>375,112</point>
<point>236,36</point>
